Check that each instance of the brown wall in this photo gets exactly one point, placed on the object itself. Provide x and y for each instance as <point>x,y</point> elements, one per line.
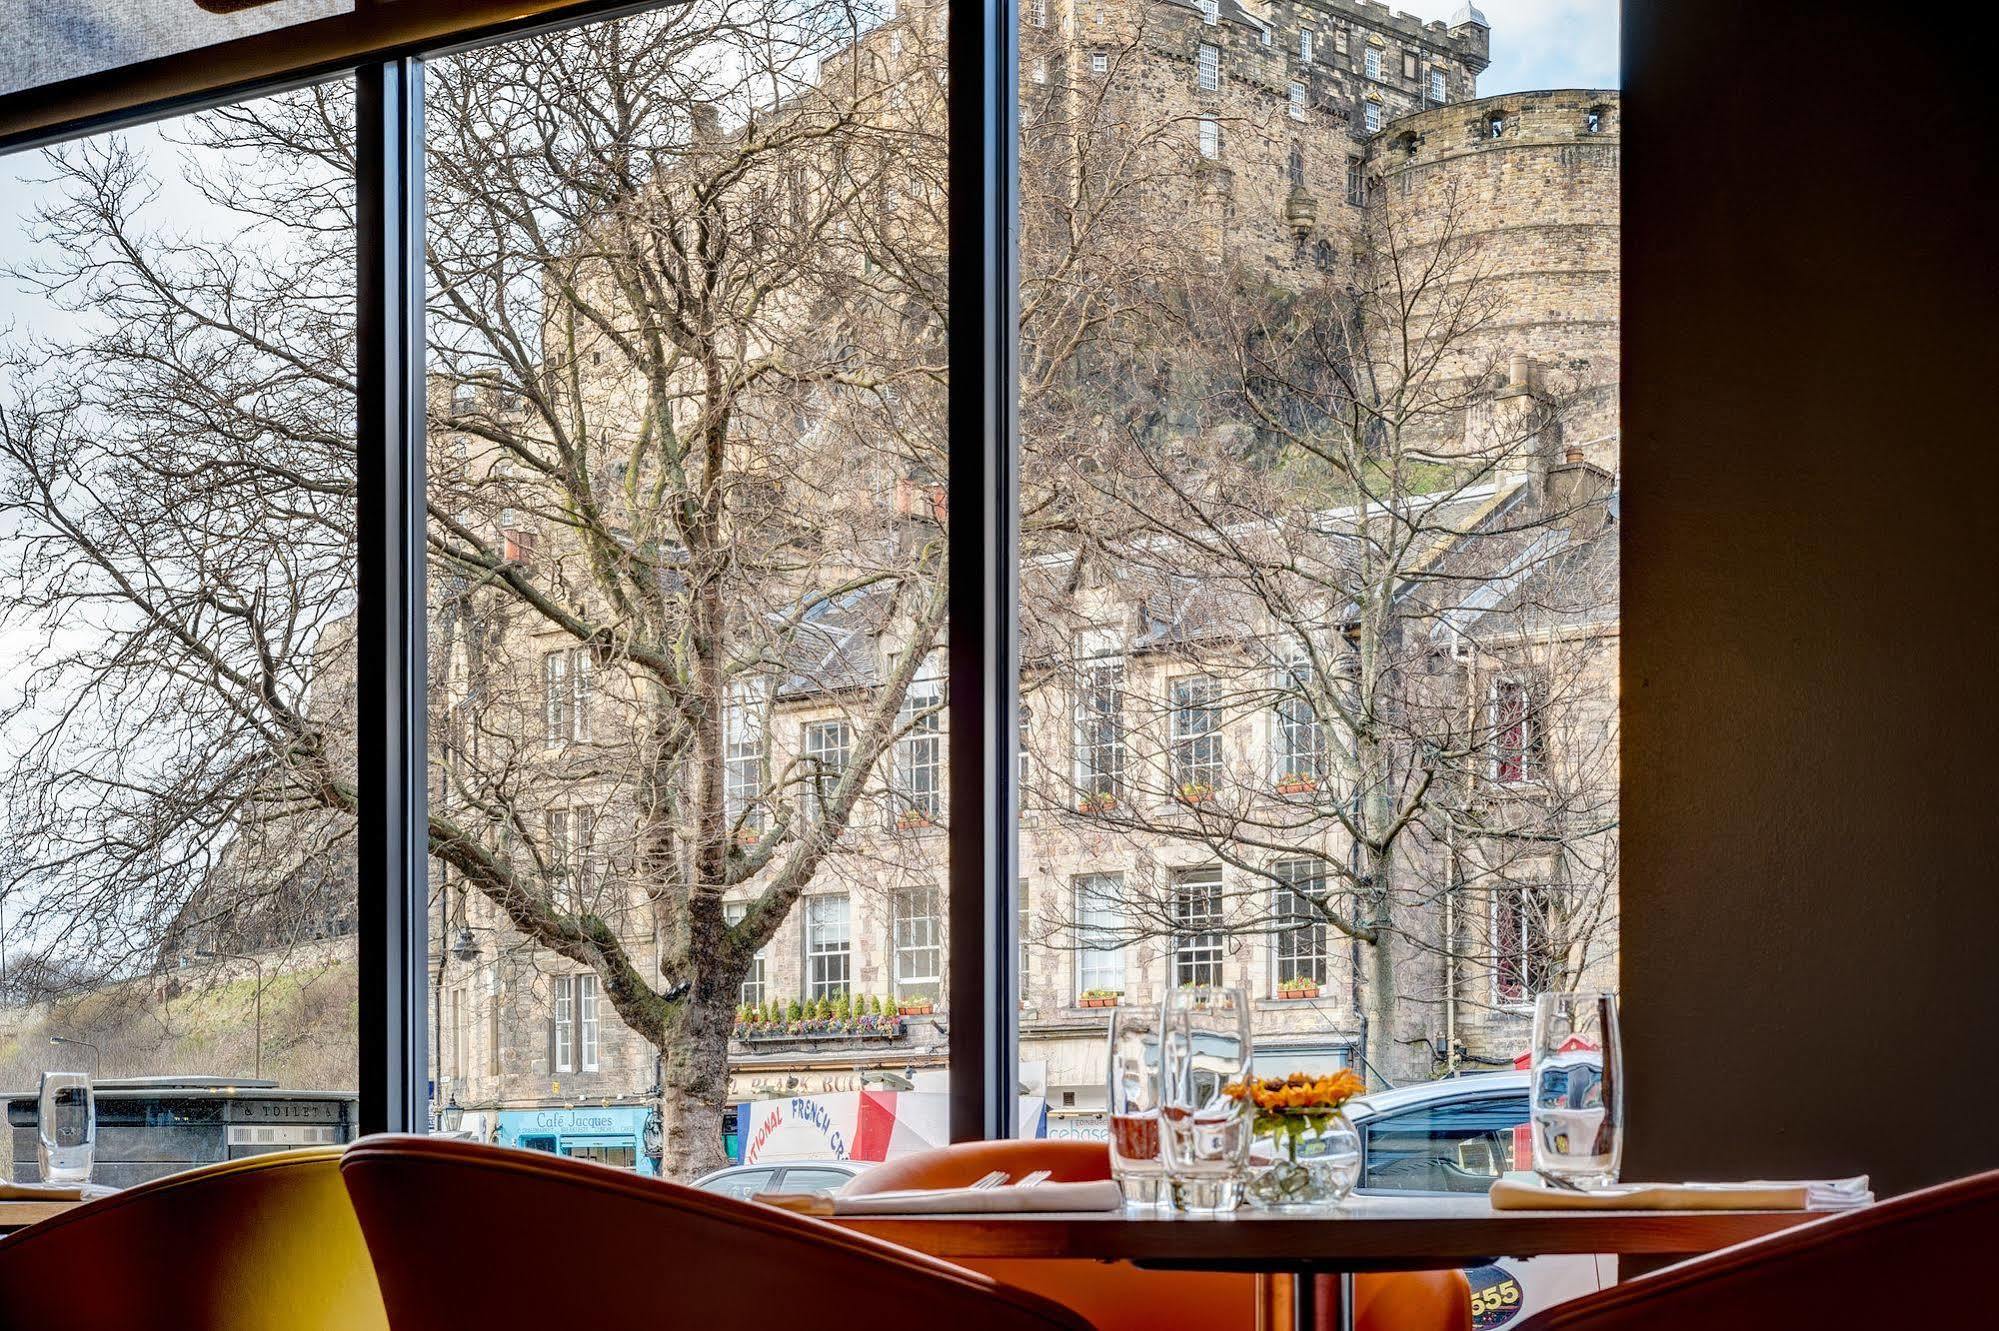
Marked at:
<point>1811,644</point>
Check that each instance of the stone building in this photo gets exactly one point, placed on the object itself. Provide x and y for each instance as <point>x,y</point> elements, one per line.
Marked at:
<point>1267,133</point>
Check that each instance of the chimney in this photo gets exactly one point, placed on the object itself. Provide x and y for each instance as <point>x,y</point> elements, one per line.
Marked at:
<point>707,123</point>
<point>1573,488</point>
<point>1520,373</point>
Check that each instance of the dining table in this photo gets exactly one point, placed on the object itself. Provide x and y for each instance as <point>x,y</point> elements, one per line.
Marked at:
<point>19,1213</point>
<point>1287,1250</point>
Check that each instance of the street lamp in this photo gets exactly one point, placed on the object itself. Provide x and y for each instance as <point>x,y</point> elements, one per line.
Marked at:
<point>257,996</point>
<point>452,1116</point>
<point>96,1057</point>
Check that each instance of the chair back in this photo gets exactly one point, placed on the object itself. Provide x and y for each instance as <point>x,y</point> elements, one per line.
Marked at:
<point>1912,1261</point>
<point>246,1245</point>
<point>1119,1297</point>
<point>615,1248</point>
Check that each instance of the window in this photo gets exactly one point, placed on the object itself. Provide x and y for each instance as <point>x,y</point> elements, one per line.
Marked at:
<point>917,925</point>
<point>829,954</point>
<point>1209,66</point>
<point>919,756</point>
<point>1023,937</point>
<point>565,696</point>
<point>895,42</point>
<point>1524,960</point>
<point>1197,926</point>
<point>1300,946</point>
<point>1300,750</point>
<point>586,1023</point>
<point>1438,92</point>
<point>1408,64</point>
<point>1371,112</point>
<point>1100,62</point>
<point>827,744</point>
<point>1340,40</point>
<point>1305,45</point>
<point>562,1026</point>
<point>733,914</point>
<point>571,839</point>
<point>1100,733</point>
<point>1297,101</point>
<point>1518,753</point>
<point>1456,1146</point>
<point>1100,933</point>
<point>493,1014</point>
<point>1297,166</point>
<point>1356,183</point>
<point>747,757</point>
<point>1195,736</point>
<point>1495,125</point>
<point>1372,61</point>
<point>1037,13</point>
<point>1211,12</point>
<point>1038,71</point>
<point>1209,131</point>
<point>1593,120</point>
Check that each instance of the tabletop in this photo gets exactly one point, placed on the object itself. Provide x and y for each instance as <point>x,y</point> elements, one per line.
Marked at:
<point>1365,1233</point>
<point>18,1214</point>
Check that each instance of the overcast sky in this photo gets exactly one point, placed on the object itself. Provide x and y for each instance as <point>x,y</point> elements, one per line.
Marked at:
<point>1546,43</point>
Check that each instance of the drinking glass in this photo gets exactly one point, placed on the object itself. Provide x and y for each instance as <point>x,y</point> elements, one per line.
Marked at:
<point>1133,1103</point>
<point>1204,1045</point>
<point>66,1128</point>
<point>1577,1095</point>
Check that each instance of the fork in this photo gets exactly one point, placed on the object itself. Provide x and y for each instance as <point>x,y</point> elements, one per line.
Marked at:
<point>992,1180</point>
<point>1029,1180</point>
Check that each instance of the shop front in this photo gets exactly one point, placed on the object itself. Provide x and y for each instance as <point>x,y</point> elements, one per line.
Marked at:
<point>615,1135</point>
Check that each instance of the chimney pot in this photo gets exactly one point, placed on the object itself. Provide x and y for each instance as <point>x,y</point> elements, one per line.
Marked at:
<point>1572,455</point>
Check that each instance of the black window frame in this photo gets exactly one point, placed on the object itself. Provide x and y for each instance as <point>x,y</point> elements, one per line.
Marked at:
<point>384,55</point>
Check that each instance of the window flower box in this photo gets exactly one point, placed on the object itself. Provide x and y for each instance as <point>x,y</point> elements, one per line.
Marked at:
<point>913,821</point>
<point>1096,804</point>
<point>1099,998</point>
<point>1297,989</point>
<point>1296,783</point>
<point>1196,792</point>
<point>916,1007</point>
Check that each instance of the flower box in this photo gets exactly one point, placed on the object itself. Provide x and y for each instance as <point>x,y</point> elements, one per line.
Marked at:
<point>911,822</point>
<point>918,1008</point>
<point>1196,793</point>
<point>1099,998</point>
<point>1298,992</point>
<point>1096,804</point>
<point>1296,785</point>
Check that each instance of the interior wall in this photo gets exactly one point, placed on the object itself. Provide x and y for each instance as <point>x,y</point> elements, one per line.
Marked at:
<point>1811,671</point>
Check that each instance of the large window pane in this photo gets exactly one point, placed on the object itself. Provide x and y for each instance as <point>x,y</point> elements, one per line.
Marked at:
<point>686,539</point>
<point>177,746</point>
<point>1319,497</point>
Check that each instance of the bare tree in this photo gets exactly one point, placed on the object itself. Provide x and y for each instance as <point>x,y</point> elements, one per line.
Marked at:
<point>686,282</point>
<point>1284,644</point>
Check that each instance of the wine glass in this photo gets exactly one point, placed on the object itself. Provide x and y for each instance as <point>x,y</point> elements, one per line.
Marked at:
<point>1204,1048</point>
<point>66,1128</point>
<point>1133,1102</point>
<point>1576,1100</point>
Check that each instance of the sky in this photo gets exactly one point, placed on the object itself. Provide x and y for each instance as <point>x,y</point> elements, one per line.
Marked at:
<point>1545,43</point>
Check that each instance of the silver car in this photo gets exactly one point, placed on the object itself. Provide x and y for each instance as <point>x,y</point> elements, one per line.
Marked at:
<point>745,1181</point>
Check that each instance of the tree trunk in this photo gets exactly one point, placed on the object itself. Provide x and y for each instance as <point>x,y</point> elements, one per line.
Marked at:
<point>694,1080</point>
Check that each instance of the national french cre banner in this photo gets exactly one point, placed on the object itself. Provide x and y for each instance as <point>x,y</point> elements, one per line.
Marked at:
<point>858,1125</point>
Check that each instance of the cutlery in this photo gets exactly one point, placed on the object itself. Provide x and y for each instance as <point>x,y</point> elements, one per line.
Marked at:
<point>992,1180</point>
<point>1029,1180</point>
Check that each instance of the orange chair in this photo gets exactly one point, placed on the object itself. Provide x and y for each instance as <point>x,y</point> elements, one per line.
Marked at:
<point>615,1249</point>
<point>1118,1297</point>
<point>1910,1262</point>
<point>247,1245</point>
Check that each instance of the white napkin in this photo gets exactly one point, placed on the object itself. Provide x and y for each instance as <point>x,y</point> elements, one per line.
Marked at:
<point>1100,1195</point>
<point>1531,1194</point>
<point>52,1192</point>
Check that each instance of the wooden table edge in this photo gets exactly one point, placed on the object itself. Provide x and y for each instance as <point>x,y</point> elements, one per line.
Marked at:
<point>1290,1242</point>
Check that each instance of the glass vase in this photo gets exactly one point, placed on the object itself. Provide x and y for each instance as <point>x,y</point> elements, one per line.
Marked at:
<point>1315,1160</point>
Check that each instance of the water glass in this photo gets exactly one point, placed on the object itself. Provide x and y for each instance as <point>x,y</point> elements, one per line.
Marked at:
<point>1204,1047</point>
<point>1133,1104</point>
<point>66,1128</point>
<point>1576,1097</point>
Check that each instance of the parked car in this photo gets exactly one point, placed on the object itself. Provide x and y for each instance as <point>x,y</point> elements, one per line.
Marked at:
<point>790,1176</point>
<point>1457,1136</point>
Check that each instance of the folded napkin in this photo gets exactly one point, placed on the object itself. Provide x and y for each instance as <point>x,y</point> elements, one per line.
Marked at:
<point>1101,1195</point>
<point>51,1192</point>
<point>1510,1194</point>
